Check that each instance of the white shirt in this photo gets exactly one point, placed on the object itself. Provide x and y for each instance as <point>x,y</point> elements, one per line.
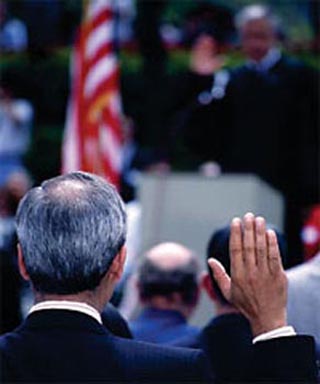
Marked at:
<point>69,306</point>
<point>275,333</point>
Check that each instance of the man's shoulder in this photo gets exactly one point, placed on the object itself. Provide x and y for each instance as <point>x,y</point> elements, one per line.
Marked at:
<point>286,64</point>
<point>300,274</point>
<point>151,362</point>
<point>130,360</point>
<point>7,339</point>
<point>295,69</point>
<point>155,354</point>
<point>228,321</point>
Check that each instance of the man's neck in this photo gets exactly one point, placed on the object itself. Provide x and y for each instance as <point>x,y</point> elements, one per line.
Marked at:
<point>96,298</point>
<point>86,297</point>
<point>162,303</point>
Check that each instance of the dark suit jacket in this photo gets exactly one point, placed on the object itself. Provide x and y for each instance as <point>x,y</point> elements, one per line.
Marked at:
<point>227,342</point>
<point>164,327</point>
<point>267,124</point>
<point>65,346</point>
<point>114,322</point>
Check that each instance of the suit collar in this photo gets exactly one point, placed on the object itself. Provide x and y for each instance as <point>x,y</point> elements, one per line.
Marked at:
<point>60,318</point>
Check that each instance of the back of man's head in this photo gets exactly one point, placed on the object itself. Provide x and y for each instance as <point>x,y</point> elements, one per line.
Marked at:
<point>218,247</point>
<point>167,269</point>
<point>70,229</point>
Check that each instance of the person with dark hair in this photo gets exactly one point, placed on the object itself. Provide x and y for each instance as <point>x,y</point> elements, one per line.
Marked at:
<point>191,90</point>
<point>11,284</point>
<point>227,338</point>
<point>71,232</point>
<point>10,281</point>
<point>261,117</point>
<point>168,290</point>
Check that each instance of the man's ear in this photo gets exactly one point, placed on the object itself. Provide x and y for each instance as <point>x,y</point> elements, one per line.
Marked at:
<point>21,264</point>
<point>207,286</point>
<point>117,265</point>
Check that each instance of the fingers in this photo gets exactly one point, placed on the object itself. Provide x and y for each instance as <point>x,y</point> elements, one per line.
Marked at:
<point>249,254</point>
<point>274,258</point>
<point>258,282</point>
<point>252,246</point>
<point>221,277</point>
<point>235,248</point>
<point>261,243</point>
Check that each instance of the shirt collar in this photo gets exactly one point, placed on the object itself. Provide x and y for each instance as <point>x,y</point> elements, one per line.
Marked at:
<point>69,306</point>
<point>267,62</point>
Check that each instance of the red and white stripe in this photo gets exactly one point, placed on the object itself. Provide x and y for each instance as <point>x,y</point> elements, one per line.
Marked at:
<point>92,139</point>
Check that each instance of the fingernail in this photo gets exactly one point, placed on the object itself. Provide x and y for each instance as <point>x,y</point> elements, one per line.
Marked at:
<point>236,220</point>
<point>260,220</point>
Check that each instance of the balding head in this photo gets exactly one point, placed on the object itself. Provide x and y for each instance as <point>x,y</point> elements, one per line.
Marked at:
<point>167,269</point>
<point>259,29</point>
<point>169,256</point>
<point>70,229</point>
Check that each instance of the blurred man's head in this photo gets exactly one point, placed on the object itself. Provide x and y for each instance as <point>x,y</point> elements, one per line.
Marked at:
<point>16,185</point>
<point>71,231</point>
<point>168,278</point>
<point>258,29</point>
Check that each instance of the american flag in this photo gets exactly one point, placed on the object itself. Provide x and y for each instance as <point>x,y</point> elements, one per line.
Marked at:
<point>92,140</point>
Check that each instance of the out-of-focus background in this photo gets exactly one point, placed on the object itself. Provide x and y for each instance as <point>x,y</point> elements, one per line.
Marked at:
<point>156,75</point>
<point>36,65</point>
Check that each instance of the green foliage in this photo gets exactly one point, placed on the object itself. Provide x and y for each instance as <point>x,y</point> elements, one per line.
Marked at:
<point>130,62</point>
<point>44,157</point>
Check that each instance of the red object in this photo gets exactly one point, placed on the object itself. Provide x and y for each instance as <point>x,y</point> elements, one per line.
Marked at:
<point>311,233</point>
<point>93,137</point>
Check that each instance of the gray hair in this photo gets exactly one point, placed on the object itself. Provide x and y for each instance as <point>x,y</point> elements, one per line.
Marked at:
<point>257,12</point>
<point>70,229</point>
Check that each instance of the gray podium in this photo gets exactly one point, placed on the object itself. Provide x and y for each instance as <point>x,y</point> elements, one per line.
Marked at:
<point>188,207</point>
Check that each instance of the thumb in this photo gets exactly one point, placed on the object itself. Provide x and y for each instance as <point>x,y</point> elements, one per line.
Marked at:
<point>221,277</point>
